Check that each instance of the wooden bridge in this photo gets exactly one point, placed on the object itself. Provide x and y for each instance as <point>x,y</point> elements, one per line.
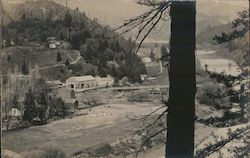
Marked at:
<point>162,89</point>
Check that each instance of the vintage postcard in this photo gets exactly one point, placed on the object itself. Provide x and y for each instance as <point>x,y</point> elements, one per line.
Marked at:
<point>124,78</point>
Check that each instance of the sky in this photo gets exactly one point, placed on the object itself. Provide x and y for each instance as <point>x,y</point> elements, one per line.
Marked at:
<point>113,12</point>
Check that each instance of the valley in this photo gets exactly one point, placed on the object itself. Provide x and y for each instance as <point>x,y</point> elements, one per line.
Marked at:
<point>72,87</point>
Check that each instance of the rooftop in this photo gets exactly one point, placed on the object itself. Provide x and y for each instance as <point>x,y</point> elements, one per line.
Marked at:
<point>82,78</point>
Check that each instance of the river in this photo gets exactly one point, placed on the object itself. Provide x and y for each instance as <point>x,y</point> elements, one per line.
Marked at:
<point>217,64</point>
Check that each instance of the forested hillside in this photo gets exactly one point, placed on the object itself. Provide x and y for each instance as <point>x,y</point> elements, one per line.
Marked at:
<point>32,23</point>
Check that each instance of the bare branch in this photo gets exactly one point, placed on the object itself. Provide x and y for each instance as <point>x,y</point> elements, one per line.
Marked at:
<point>158,118</point>
<point>148,22</point>
<point>137,18</point>
<point>145,19</point>
<point>149,32</point>
<point>137,153</point>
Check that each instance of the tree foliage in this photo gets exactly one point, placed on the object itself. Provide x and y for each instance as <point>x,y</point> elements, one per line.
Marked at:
<point>95,42</point>
<point>79,38</point>
<point>39,104</point>
<point>152,55</point>
<point>30,107</point>
<point>240,26</point>
<point>67,20</point>
<point>67,62</point>
<point>58,57</point>
<point>24,68</point>
<point>164,53</point>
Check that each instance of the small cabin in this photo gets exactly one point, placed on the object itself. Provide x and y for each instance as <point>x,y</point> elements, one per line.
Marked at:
<point>15,112</point>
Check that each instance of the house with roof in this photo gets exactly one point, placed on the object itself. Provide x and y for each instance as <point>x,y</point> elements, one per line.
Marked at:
<point>79,83</point>
<point>15,112</point>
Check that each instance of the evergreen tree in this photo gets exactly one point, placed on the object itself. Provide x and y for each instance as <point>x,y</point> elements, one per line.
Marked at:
<point>58,58</point>
<point>164,53</point>
<point>68,23</point>
<point>101,70</point>
<point>114,71</point>
<point>240,26</point>
<point>30,111</point>
<point>43,36</point>
<point>152,55</point>
<point>24,69</point>
<point>43,102</point>
<point>23,17</point>
<point>9,58</point>
<point>75,41</point>
<point>82,25</point>
<point>79,38</point>
<point>7,42</point>
<point>15,101</point>
<point>61,36</point>
<point>88,53</point>
<point>68,20</point>
<point>67,62</point>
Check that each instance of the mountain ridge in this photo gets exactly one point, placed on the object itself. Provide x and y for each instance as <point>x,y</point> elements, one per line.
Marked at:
<point>113,12</point>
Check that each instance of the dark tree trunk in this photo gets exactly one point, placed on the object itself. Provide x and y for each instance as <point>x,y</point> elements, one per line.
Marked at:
<point>180,120</point>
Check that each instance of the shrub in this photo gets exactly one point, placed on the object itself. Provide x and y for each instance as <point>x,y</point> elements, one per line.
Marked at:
<point>139,97</point>
<point>52,153</point>
<point>213,94</point>
<point>58,108</point>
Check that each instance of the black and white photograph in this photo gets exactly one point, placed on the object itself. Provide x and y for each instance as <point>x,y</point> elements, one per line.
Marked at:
<point>124,78</point>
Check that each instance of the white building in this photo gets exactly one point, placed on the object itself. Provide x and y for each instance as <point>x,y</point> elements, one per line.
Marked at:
<point>80,83</point>
<point>53,43</point>
<point>146,60</point>
<point>15,112</point>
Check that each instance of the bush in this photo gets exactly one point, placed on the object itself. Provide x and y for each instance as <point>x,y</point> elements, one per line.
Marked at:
<point>58,108</point>
<point>213,94</point>
<point>52,153</point>
<point>139,97</point>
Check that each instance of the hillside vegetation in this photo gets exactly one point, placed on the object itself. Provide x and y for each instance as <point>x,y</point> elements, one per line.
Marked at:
<point>32,23</point>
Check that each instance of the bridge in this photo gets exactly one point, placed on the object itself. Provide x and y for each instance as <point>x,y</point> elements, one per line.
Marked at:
<point>156,88</point>
<point>151,87</point>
